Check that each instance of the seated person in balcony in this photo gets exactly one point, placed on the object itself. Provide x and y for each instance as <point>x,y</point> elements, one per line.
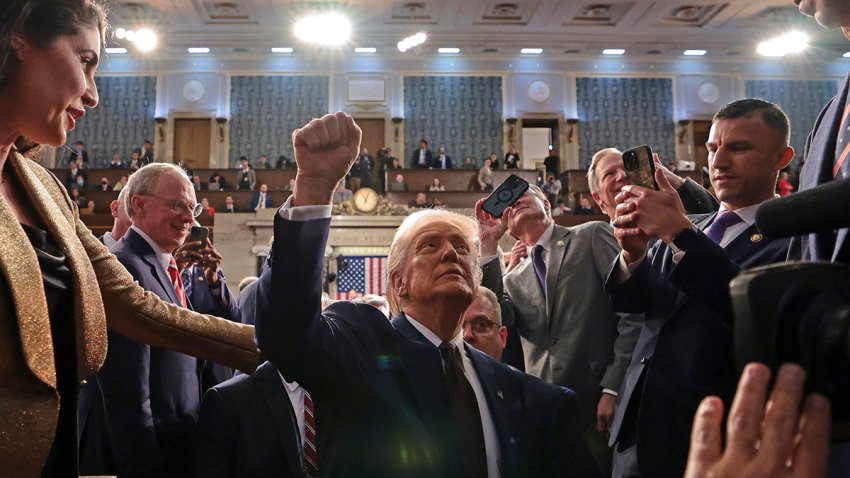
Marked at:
<point>561,209</point>
<point>511,158</point>
<point>229,205</point>
<point>399,184</point>
<point>342,193</point>
<point>218,181</point>
<point>436,186</point>
<point>584,207</point>
<point>437,202</point>
<point>421,202</point>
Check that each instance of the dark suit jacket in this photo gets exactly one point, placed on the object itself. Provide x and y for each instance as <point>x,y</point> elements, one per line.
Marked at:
<point>439,164</point>
<point>689,306</point>
<point>150,396</point>
<point>255,200</point>
<point>246,428</point>
<point>554,434</point>
<point>381,398</point>
<point>248,303</point>
<point>819,157</point>
<point>201,299</point>
<point>414,159</point>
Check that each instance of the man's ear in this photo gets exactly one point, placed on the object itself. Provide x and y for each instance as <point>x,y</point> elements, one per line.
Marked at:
<point>786,155</point>
<point>596,197</point>
<point>398,284</point>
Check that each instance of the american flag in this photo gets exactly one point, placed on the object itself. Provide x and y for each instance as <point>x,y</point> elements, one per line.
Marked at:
<point>366,275</point>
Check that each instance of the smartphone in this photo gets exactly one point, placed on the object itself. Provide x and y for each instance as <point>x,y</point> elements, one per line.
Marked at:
<point>198,233</point>
<point>505,195</point>
<point>640,168</point>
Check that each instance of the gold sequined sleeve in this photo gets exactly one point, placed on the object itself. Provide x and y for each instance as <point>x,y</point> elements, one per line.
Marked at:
<point>141,315</point>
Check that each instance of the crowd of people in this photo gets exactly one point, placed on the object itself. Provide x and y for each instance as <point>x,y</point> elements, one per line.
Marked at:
<point>603,349</point>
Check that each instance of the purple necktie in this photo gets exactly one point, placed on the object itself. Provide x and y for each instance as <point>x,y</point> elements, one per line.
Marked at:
<point>723,221</point>
<point>539,265</point>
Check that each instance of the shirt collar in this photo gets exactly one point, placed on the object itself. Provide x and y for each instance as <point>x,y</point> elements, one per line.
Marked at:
<point>747,214</point>
<point>544,238</point>
<point>432,337</point>
<point>163,256</point>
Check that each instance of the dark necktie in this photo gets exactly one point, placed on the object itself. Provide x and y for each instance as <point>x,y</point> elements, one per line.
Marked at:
<point>539,265</point>
<point>467,417</point>
<point>723,221</point>
<point>842,144</point>
<point>186,277</point>
<point>311,454</point>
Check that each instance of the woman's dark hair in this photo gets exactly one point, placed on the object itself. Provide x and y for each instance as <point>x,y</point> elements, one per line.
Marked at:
<point>43,21</point>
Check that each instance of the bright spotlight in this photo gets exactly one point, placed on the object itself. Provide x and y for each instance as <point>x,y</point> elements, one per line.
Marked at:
<point>411,42</point>
<point>115,50</point>
<point>794,42</point>
<point>145,40</point>
<point>613,51</point>
<point>324,29</point>
<point>120,33</point>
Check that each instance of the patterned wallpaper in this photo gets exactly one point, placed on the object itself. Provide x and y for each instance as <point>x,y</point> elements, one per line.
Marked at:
<point>462,112</point>
<point>264,110</point>
<point>801,100</point>
<point>123,119</point>
<point>623,113</point>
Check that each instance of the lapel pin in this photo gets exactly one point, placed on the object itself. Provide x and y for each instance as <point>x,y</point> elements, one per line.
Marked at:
<point>200,278</point>
<point>500,394</point>
<point>756,238</point>
<point>560,243</point>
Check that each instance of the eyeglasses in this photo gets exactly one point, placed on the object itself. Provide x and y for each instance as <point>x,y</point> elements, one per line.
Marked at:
<point>178,206</point>
<point>479,326</point>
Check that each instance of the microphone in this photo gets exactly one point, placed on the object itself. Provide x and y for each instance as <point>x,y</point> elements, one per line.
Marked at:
<point>824,208</point>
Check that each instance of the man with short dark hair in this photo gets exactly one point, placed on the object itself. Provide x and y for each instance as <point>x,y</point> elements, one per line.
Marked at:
<point>422,158</point>
<point>681,284</point>
<point>443,160</point>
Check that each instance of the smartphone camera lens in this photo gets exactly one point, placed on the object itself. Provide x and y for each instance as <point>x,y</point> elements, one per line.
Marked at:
<point>630,161</point>
<point>504,195</point>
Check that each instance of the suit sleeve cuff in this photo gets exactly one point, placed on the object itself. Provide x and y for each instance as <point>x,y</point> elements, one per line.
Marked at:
<point>304,213</point>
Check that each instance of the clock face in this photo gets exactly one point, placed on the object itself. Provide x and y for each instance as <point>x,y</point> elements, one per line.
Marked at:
<point>365,199</point>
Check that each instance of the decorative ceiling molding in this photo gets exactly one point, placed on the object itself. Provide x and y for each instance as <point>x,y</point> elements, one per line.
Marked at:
<point>600,14</point>
<point>213,12</point>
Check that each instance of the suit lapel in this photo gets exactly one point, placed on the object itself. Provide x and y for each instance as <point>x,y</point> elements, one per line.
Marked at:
<point>273,389</point>
<point>148,256</point>
<point>557,247</point>
<point>498,407</point>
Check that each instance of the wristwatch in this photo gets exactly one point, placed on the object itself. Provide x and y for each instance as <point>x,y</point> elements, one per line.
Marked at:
<point>683,239</point>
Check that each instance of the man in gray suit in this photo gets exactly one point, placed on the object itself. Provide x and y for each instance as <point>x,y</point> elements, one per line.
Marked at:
<point>557,303</point>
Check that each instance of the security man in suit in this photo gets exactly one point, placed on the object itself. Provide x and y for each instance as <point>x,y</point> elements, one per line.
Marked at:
<point>681,284</point>
<point>558,306</point>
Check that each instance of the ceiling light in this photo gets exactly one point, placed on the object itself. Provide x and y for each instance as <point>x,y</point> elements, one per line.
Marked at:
<point>145,39</point>
<point>324,29</point>
<point>412,41</point>
<point>531,51</point>
<point>448,51</point>
<point>365,50</point>
<point>613,51</point>
<point>115,50</point>
<point>794,42</point>
<point>198,49</point>
<point>846,55</point>
<point>694,52</point>
<point>120,33</point>
<point>282,50</point>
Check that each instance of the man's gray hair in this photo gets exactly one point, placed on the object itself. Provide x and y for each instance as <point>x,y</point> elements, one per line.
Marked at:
<point>488,295</point>
<point>122,199</point>
<point>144,181</point>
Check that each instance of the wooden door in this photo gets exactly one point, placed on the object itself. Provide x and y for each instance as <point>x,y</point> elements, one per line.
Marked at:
<point>192,142</point>
<point>373,140</point>
<point>701,130</point>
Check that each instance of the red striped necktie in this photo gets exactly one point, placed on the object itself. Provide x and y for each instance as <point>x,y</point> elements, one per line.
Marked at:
<point>842,143</point>
<point>311,454</point>
<point>174,275</point>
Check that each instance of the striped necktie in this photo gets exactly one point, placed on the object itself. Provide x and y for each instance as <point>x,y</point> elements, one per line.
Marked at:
<point>174,275</point>
<point>842,144</point>
<point>311,454</point>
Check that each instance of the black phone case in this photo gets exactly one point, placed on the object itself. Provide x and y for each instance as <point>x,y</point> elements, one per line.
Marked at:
<point>202,235</point>
<point>505,195</point>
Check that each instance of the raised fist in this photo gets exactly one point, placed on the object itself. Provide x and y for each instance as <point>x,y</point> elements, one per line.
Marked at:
<point>325,149</point>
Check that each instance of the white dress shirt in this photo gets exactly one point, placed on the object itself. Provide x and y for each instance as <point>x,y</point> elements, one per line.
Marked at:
<point>295,393</point>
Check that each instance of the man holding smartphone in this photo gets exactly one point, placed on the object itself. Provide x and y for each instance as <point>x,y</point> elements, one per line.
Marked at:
<point>557,304</point>
<point>681,284</point>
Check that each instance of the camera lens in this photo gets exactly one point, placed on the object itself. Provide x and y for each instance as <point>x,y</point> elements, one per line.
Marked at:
<point>504,195</point>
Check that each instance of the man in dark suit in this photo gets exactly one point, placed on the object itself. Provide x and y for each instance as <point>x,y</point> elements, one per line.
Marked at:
<point>150,395</point>
<point>681,284</point>
<point>247,428</point>
<point>557,304</point>
<point>229,205</point>
<point>79,152</point>
<point>422,158</point>
<point>553,416</point>
<point>405,398</point>
<point>443,160</point>
<point>146,153</point>
<point>261,199</point>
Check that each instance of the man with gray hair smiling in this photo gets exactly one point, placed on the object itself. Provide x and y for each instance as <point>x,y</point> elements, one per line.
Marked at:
<point>405,398</point>
<point>150,395</point>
